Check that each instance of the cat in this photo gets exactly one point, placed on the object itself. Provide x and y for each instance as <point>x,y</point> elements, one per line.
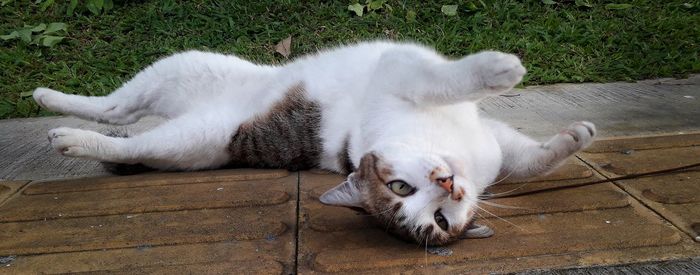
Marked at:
<point>398,118</point>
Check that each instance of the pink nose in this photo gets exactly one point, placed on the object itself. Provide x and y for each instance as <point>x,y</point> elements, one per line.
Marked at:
<point>447,183</point>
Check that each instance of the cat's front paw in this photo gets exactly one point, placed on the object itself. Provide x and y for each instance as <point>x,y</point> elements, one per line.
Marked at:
<point>498,72</point>
<point>576,137</point>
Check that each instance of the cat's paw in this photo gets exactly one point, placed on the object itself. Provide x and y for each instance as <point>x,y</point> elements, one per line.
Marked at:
<point>48,99</point>
<point>498,72</point>
<point>576,137</point>
<point>75,142</point>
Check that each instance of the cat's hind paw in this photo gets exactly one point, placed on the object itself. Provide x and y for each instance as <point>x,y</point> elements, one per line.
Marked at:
<point>499,72</point>
<point>77,143</point>
<point>50,99</point>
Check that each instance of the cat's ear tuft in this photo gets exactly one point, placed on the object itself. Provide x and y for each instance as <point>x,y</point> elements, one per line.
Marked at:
<point>346,194</point>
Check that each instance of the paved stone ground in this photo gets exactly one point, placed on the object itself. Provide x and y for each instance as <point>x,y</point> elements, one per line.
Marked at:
<point>270,221</point>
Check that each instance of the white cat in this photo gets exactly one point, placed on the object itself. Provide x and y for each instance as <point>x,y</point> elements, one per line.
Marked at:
<point>401,116</point>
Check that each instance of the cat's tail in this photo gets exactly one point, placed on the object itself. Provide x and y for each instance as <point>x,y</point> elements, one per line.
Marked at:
<point>123,169</point>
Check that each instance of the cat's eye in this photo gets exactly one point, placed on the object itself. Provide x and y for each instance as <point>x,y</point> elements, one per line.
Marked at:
<point>401,188</point>
<point>441,221</point>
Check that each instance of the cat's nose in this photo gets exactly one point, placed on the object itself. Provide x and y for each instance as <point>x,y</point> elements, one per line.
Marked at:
<point>446,183</point>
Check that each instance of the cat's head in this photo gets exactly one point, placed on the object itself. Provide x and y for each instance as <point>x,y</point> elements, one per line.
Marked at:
<point>422,198</point>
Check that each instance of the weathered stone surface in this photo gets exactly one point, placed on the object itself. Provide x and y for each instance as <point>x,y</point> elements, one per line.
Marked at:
<point>206,222</point>
<point>153,179</point>
<point>624,144</point>
<point>25,153</point>
<point>113,201</point>
<point>8,188</point>
<point>676,196</point>
<point>617,109</point>
<point>550,230</point>
<point>259,255</point>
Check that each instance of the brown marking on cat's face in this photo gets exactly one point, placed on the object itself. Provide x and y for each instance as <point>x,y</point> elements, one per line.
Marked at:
<point>374,176</point>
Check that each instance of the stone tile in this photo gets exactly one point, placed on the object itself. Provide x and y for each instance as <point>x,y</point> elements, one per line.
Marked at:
<point>112,201</point>
<point>205,222</point>
<point>563,228</point>
<point>153,179</point>
<point>8,188</point>
<point>675,196</point>
<point>258,256</point>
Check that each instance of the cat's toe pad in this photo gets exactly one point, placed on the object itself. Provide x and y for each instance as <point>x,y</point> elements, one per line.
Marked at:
<point>500,72</point>
<point>71,142</point>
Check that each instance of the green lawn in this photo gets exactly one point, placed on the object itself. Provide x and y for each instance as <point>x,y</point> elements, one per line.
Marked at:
<point>562,42</point>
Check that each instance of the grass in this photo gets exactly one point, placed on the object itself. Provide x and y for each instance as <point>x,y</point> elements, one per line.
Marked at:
<point>563,42</point>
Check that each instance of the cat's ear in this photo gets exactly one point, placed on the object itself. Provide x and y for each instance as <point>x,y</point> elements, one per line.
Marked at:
<point>346,194</point>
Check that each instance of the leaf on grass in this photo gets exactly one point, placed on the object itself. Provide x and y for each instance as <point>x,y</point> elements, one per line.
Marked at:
<point>10,36</point>
<point>688,5</point>
<point>46,5</point>
<point>472,7</point>
<point>71,7</point>
<point>449,10</point>
<point>39,27</point>
<point>25,35</point>
<point>284,47</point>
<point>411,16</point>
<point>357,8</point>
<point>50,41</point>
<point>583,3</point>
<point>549,2</point>
<point>55,27</point>
<point>26,93</point>
<point>95,6</point>
<point>375,5</point>
<point>109,4</point>
<point>618,6</point>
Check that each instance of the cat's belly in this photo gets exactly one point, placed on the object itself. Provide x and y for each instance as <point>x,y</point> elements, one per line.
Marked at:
<point>287,136</point>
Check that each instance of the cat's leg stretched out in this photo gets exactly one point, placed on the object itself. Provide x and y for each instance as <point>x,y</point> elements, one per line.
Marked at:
<point>524,157</point>
<point>168,88</point>
<point>420,77</point>
<point>196,91</point>
<point>196,140</point>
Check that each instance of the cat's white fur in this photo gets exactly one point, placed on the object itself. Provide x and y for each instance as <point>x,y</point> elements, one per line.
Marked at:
<point>414,107</point>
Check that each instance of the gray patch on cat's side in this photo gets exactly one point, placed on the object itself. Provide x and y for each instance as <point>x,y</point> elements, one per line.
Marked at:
<point>285,137</point>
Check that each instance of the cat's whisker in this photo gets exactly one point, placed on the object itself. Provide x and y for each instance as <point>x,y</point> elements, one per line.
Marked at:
<point>504,178</point>
<point>517,167</point>
<point>507,221</point>
<point>503,205</point>
<point>503,193</point>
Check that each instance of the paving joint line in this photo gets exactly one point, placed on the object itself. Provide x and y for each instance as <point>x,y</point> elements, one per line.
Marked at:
<point>17,192</point>
<point>636,198</point>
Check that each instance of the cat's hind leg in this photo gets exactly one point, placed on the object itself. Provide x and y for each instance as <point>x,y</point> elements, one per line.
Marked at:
<point>524,157</point>
<point>119,110</point>
<point>168,88</point>
<point>190,142</point>
<point>424,77</point>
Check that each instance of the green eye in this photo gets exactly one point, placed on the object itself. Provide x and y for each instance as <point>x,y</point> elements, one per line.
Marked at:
<point>401,188</point>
